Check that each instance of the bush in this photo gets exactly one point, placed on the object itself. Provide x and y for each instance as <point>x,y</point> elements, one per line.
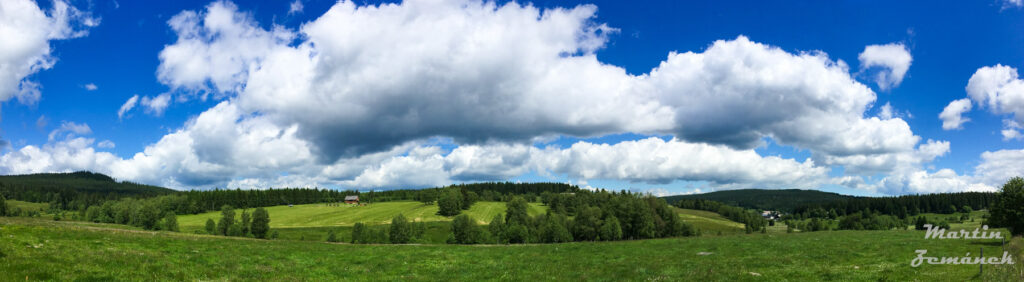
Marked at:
<point>357,232</point>
<point>211,227</point>
<point>235,231</point>
<point>331,237</point>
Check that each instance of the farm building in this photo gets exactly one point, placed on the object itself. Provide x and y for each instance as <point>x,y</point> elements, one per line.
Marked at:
<point>351,199</point>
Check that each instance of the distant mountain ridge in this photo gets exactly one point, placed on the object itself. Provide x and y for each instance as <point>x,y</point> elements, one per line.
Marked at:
<point>766,199</point>
<point>41,187</point>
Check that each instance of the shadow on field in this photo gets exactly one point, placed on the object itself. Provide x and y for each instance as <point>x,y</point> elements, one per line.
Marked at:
<point>990,244</point>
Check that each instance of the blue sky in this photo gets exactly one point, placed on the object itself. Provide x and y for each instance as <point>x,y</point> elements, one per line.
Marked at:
<point>116,47</point>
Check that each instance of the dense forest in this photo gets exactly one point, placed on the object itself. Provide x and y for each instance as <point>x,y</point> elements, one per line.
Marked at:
<point>765,199</point>
<point>72,191</point>
<point>901,206</point>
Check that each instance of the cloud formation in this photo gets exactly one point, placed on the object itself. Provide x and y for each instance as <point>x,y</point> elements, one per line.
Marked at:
<point>894,60</point>
<point>27,31</point>
<point>344,100</point>
<point>540,77</point>
<point>996,88</point>
<point>952,115</point>
<point>127,106</point>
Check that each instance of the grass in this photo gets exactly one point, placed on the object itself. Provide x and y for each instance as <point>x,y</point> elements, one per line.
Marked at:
<point>321,215</point>
<point>39,249</point>
<point>27,206</point>
<point>710,223</point>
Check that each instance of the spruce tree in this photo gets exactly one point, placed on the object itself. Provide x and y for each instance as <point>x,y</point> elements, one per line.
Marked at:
<point>921,221</point>
<point>226,221</point>
<point>245,223</point>
<point>260,224</point>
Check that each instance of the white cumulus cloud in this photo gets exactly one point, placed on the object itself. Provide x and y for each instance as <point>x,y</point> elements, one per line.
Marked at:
<point>952,115</point>
<point>27,31</point>
<point>893,58</point>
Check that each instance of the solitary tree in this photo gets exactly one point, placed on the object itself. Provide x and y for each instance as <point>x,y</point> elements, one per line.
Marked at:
<point>211,227</point>
<point>1008,211</point>
<point>227,219</point>
<point>260,223</point>
<point>401,230</point>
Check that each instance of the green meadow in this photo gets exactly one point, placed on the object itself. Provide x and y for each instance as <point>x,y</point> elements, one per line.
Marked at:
<point>320,215</point>
<point>27,206</point>
<point>40,249</point>
<point>710,223</point>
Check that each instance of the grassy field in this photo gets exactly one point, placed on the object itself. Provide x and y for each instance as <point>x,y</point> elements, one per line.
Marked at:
<point>27,206</point>
<point>320,215</point>
<point>710,223</point>
<point>40,249</point>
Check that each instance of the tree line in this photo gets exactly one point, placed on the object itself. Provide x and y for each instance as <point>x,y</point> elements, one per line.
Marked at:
<point>901,206</point>
<point>593,216</point>
<point>256,225</point>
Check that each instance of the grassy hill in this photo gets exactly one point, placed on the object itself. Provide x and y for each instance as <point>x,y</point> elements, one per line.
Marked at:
<point>710,223</point>
<point>39,249</point>
<point>762,199</point>
<point>35,187</point>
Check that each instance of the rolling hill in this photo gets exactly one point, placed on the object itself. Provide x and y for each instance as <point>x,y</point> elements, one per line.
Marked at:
<point>82,187</point>
<point>766,199</point>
